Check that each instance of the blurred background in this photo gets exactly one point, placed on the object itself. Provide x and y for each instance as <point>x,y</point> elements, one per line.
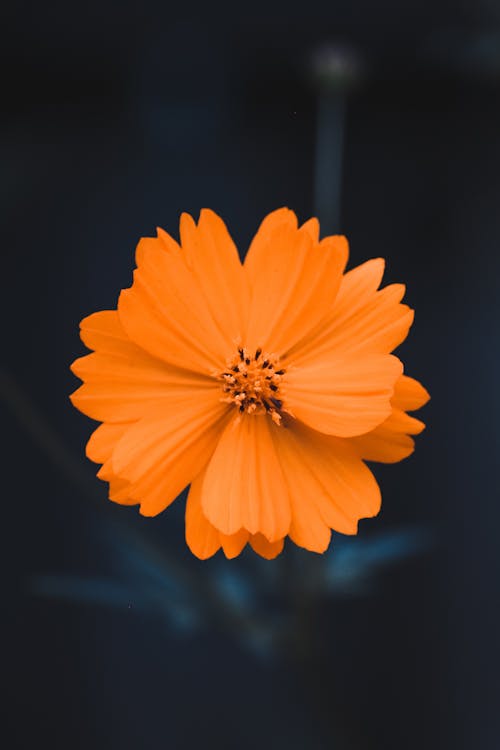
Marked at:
<point>384,118</point>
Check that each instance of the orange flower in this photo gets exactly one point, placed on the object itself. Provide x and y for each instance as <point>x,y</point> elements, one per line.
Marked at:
<point>263,385</point>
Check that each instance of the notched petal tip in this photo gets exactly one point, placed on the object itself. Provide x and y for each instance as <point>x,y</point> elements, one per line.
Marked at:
<point>208,214</point>
<point>186,224</point>
<point>397,365</point>
<point>167,241</point>
<point>73,397</point>
<point>399,289</point>
<point>376,266</point>
<point>410,317</point>
<point>338,245</point>
<point>79,399</point>
<point>279,213</point>
<point>202,555</point>
<point>274,220</point>
<point>148,511</point>
<point>311,227</point>
<point>75,367</point>
<point>410,394</point>
<point>96,319</point>
<point>200,552</point>
<point>319,545</point>
<point>422,396</point>
<point>145,250</point>
<point>264,548</point>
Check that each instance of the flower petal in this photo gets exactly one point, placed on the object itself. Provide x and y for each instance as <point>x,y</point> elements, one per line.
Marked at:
<point>311,226</point>
<point>409,394</point>
<point>103,440</point>
<point>330,487</point>
<point>390,441</point>
<point>118,492</point>
<point>281,219</point>
<point>103,332</point>
<point>357,288</point>
<point>201,537</point>
<point>233,544</point>
<point>343,397</point>
<point>313,295</point>
<point>204,540</point>
<point>264,548</point>
<point>294,280</point>
<point>165,311</point>
<point>167,448</point>
<point>121,379</point>
<point>244,486</point>
<point>378,325</point>
<point>387,443</point>
<point>213,258</point>
<point>118,488</point>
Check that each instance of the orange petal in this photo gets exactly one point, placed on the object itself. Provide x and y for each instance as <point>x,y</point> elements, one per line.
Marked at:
<point>244,487</point>
<point>308,530</point>
<point>409,394</point>
<point>402,422</point>
<point>357,288</point>
<point>201,537</point>
<point>118,492</point>
<point>116,390</point>
<point>165,311</point>
<point>274,263</point>
<point>313,295</point>
<point>213,258</point>
<point>379,325</point>
<point>264,548</point>
<point>311,226</point>
<point>103,440</point>
<point>329,485</point>
<point>166,449</point>
<point>294,280</point>
<point>234,543</point>
<point>384,445</point>
<point>343,397</point>
<point>118,488</point>
<point>121,379</point>
<point>103,332</point>
<point>390,441</point>
<point>281,219</point>
<point>168,242</point>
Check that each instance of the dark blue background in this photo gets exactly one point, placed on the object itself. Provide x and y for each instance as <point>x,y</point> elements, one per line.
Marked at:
<point>114,119</point>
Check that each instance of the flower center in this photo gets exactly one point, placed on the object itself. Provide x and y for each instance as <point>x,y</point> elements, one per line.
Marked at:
<point>252,383</point>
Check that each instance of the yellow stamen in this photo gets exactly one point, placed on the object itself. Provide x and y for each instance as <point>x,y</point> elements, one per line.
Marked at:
<point>252,382</point>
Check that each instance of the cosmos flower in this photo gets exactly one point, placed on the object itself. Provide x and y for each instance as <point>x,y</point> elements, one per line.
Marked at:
<point>264,386</point>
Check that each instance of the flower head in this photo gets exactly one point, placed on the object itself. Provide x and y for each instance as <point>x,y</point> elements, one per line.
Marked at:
<point>264,385</point>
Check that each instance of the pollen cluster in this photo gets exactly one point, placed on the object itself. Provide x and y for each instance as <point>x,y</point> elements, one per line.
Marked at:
<point>252,383</point>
